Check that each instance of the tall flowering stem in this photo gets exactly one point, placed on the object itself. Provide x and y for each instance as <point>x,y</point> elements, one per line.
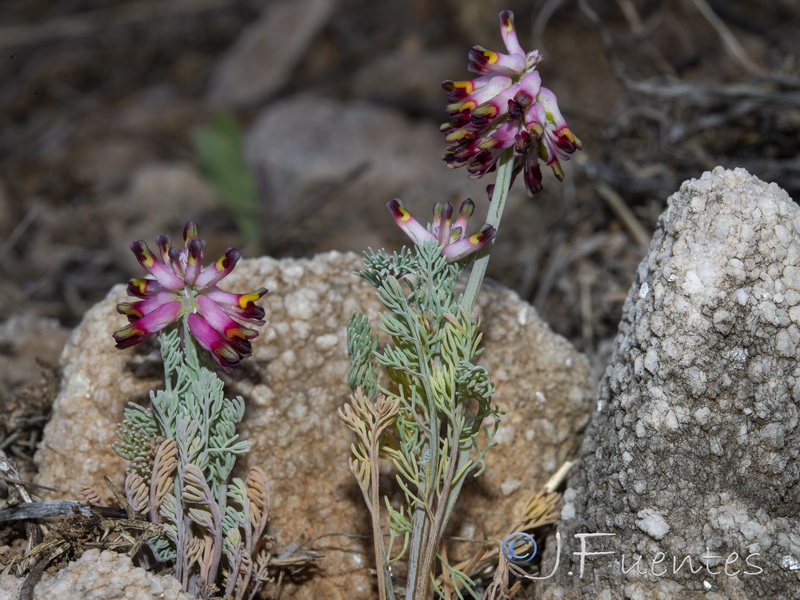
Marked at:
<point>436,420</point>
<point>505,173</point>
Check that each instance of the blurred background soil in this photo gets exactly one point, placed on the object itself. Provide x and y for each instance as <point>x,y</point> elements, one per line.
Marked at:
<point>101,101</point>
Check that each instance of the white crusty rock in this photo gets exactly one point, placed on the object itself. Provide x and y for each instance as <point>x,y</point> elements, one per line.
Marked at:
<point>694,447</point>
<point>99,575</point>
<point>293,386</point>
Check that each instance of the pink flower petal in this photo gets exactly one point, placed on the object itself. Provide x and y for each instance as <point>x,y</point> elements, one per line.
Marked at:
<point>409,224</point>
<point>221,321</point>
<point>220,269</point>
<point>464,213</point>
<point>468,245</point>
<point>509,33</point>
<point>239,306</point>
<point>225,355</point>
<point>150,323</point>
<point>441,226</point>
<point>145,288</point>
<point>482,60</point>
<point>196,250</point>
<point>155,267</point>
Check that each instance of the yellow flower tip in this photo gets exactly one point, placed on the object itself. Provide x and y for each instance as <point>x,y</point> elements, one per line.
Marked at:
<point>148,258</point>
<point>244,299</point>
<point>573,139</point>
<point>461,106</point>
<point>558,170</point>
<point>130,331</point>
<point>458,134</point>
<point>487,110</point>
<point>491,56</point>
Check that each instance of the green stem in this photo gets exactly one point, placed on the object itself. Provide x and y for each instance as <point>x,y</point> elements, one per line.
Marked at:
<point>440,522</point>
<point>418,570</point>
<point>385,589</point>
<point>417,579</point>
<point>502,184</point>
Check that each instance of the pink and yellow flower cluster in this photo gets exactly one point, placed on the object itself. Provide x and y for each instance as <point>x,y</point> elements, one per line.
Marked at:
<point>451,236</point>
<point>506,107</point>
<point>182,288</point>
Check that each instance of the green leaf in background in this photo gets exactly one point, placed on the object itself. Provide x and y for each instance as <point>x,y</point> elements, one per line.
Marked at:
<point>218,147</point>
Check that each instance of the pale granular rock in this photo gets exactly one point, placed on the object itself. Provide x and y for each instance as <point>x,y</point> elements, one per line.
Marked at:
<point>293,386</point>
<point>694,445</point>
<point>99,575</point>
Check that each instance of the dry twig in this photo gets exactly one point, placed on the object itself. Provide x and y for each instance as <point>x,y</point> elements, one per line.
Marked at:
<point>623,213</point>
<point>730,42</point>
